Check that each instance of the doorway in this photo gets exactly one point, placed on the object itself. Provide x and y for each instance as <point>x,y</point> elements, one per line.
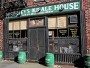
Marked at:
<point>37,38</point>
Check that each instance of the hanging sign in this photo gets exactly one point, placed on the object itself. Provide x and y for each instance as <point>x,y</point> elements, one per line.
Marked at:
<point>49,9</point>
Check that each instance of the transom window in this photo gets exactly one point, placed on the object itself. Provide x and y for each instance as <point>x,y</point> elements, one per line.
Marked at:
<point>36,23</point>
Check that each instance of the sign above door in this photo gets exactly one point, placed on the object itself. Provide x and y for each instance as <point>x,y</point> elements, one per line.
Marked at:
<point>48,9</point>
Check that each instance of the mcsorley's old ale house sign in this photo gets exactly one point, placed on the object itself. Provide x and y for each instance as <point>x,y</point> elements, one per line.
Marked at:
<point>48,9</point>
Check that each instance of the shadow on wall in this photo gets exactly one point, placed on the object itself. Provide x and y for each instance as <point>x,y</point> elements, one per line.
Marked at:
<point>80,63</point>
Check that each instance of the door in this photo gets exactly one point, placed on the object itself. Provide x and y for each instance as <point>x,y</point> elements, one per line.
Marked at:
<point>37,35</point>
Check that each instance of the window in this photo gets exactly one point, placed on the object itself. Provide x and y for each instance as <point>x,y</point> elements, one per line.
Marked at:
<point>18,29</point>
<point>36,23</point>
<point>58,24</point>
<point>64,32</point>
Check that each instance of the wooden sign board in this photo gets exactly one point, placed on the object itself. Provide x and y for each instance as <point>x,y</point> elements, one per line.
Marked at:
<point>73,32</point>
<point>16,25</point>
<point>61,22</point>
<point>62,32</point>
<point>51,22</point>
<point>23,25</point>
<point>10,26</point>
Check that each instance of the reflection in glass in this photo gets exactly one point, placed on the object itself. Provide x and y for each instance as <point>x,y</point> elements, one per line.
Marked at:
<point>17,34</point>
<point>37,22</point>
<point>62,32</point>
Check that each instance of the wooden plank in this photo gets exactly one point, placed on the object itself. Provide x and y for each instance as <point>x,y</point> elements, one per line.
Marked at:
<point>10,26</point>
<point>23,25</point>
<point>61,22</point>
<point>16,25</point>
<point>51,22</point>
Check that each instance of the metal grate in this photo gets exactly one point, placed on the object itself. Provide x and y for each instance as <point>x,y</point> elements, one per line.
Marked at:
<point>41,36</point>
<point>12,55</point>
<point>62,51</point>
<point>37,43</point>
<point>66,58</point>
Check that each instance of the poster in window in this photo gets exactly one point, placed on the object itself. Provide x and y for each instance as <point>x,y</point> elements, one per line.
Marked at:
<point>51,22</point>
<point>50,33</point>
<point>17,25</point>
<point>10,34</point>
<point>61,22</point>
<point>73,32</point>
<point>10,26</point>
<point>63,32</point>
<point>17,34</point>
<point>23,25</point>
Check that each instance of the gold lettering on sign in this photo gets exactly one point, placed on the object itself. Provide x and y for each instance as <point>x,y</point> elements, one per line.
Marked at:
<point>73,32</point>
<point>63,32</point>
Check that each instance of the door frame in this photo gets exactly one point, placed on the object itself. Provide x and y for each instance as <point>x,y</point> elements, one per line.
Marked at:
<point>46,32</point>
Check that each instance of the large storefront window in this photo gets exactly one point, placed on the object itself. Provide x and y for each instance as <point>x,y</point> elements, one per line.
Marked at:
<point>63,32</point>
<point>17,35</point>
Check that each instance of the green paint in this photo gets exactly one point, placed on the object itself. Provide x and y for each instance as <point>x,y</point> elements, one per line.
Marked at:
<point>62,7</point>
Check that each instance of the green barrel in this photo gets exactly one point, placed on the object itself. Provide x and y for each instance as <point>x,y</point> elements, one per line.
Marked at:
<point>49,59</point>
<point>87,60</point>
<point>21,57</point>
<point>1,55</point>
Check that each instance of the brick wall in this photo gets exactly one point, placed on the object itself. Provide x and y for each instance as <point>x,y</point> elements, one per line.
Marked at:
<point>1,34</point>
<point>86,8</point>
<point>31,3</point>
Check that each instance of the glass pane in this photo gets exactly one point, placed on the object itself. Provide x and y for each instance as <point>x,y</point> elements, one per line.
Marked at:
<point>50,32</point>
<point>63,32</point>
<point>73,32</point>
<point>23,25</point>
<point>61,22</point>
<point>10,34</point>
<point>23,33</point>
<point>73,19</point>
<point>37,22</point>
<point>10,26</point>
<point>17,34</point>
<point>17,25</point>
<point>32,23</point>
<point>51,22</point>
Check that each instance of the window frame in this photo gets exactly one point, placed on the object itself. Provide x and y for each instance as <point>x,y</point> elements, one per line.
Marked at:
<point>19,30</point>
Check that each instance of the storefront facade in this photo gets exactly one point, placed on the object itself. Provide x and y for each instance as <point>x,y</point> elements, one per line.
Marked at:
<point>57,28</point>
